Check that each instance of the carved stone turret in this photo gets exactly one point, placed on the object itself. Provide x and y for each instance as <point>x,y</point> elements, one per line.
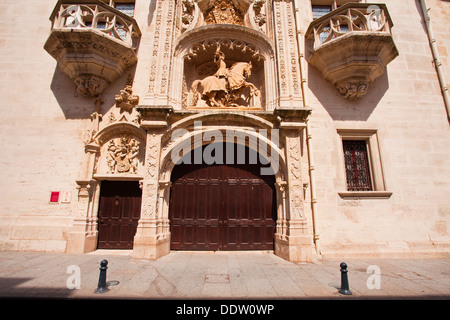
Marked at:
<point>93,43</point>
<point>351,46</point>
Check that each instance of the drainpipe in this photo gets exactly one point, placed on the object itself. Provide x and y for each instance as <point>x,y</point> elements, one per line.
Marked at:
<point>436,58</point>
<point>312,180</point>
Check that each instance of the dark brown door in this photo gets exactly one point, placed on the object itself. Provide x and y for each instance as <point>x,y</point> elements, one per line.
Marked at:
<point>119,213</point>
<point>222,207</point>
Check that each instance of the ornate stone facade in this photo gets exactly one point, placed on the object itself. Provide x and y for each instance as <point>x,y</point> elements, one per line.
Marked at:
<point>120,105</point>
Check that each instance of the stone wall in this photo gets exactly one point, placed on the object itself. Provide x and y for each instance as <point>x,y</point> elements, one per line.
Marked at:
<point>406,109</point>
<point>45,125</point>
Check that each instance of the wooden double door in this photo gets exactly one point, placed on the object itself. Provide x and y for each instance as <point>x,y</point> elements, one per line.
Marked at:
<point>119,214</point>
<point>222,207</point>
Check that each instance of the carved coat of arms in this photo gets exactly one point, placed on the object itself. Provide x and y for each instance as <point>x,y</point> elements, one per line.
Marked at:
<point>123,155</point>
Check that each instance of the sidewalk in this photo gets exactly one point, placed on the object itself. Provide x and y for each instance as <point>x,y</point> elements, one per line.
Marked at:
<point>194,275</point>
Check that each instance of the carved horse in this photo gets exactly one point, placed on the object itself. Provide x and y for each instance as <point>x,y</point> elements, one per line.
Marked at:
<point>224,91</point>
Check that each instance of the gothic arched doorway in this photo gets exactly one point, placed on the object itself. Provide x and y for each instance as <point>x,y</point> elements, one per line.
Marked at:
<point>222,206</point>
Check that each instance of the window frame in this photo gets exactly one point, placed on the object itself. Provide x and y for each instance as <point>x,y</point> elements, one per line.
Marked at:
<point>370,136</point>
<point>333,3</point>
<point>125,2</point>
<point>322,6</point>
<point>368,160</point>
<point>112,3</point>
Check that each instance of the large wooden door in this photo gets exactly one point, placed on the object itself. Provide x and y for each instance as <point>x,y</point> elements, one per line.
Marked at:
<point>119,213</point>
<point>222,207</point>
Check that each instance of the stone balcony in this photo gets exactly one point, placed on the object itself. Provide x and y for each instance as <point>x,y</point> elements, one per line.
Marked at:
<point>351,46</point>
<point>92,42</point>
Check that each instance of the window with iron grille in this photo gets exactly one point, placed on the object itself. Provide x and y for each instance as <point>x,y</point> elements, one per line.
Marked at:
<point>357,166</point>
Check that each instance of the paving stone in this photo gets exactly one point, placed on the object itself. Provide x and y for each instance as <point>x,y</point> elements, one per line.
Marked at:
<point>217,276</point>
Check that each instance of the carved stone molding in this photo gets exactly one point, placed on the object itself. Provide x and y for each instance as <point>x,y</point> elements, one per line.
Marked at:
<point>293,150</point>
<point>287,54</point>
<point>161,53</point>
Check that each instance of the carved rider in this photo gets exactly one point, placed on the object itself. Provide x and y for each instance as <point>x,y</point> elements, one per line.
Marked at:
<point>224,88</point>
<point>219,59</point>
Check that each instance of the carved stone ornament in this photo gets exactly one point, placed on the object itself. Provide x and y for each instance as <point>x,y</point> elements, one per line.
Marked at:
<point>249,13</point>
<point>123,155</point>
<point>223,12</point>
<point>353,89</point>
<point>188,14</point>
<point>90,85</point>
<point>260,17</point>
<point>126,101</point>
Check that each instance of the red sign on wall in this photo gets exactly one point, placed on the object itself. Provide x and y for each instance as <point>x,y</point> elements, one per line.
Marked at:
<point>54,197</point>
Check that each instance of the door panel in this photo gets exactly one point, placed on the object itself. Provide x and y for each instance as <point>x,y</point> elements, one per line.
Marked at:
<point>119,213</point>
<point>222,207</point>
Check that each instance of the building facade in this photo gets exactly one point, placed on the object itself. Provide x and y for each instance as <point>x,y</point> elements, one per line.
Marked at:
<point>310,128</point>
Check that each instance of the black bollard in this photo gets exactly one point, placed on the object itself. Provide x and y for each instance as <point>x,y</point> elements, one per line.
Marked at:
<point>344,280</point>
<point>102,287</point>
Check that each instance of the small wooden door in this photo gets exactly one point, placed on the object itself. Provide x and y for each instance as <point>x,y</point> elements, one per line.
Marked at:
<point>222,207</point>
<point>119,213</point>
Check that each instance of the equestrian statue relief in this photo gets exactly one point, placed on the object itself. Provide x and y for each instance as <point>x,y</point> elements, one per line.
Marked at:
<point>224,88</point>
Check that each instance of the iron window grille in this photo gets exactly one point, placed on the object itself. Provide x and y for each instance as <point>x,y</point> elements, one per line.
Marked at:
<point>357,167</point>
